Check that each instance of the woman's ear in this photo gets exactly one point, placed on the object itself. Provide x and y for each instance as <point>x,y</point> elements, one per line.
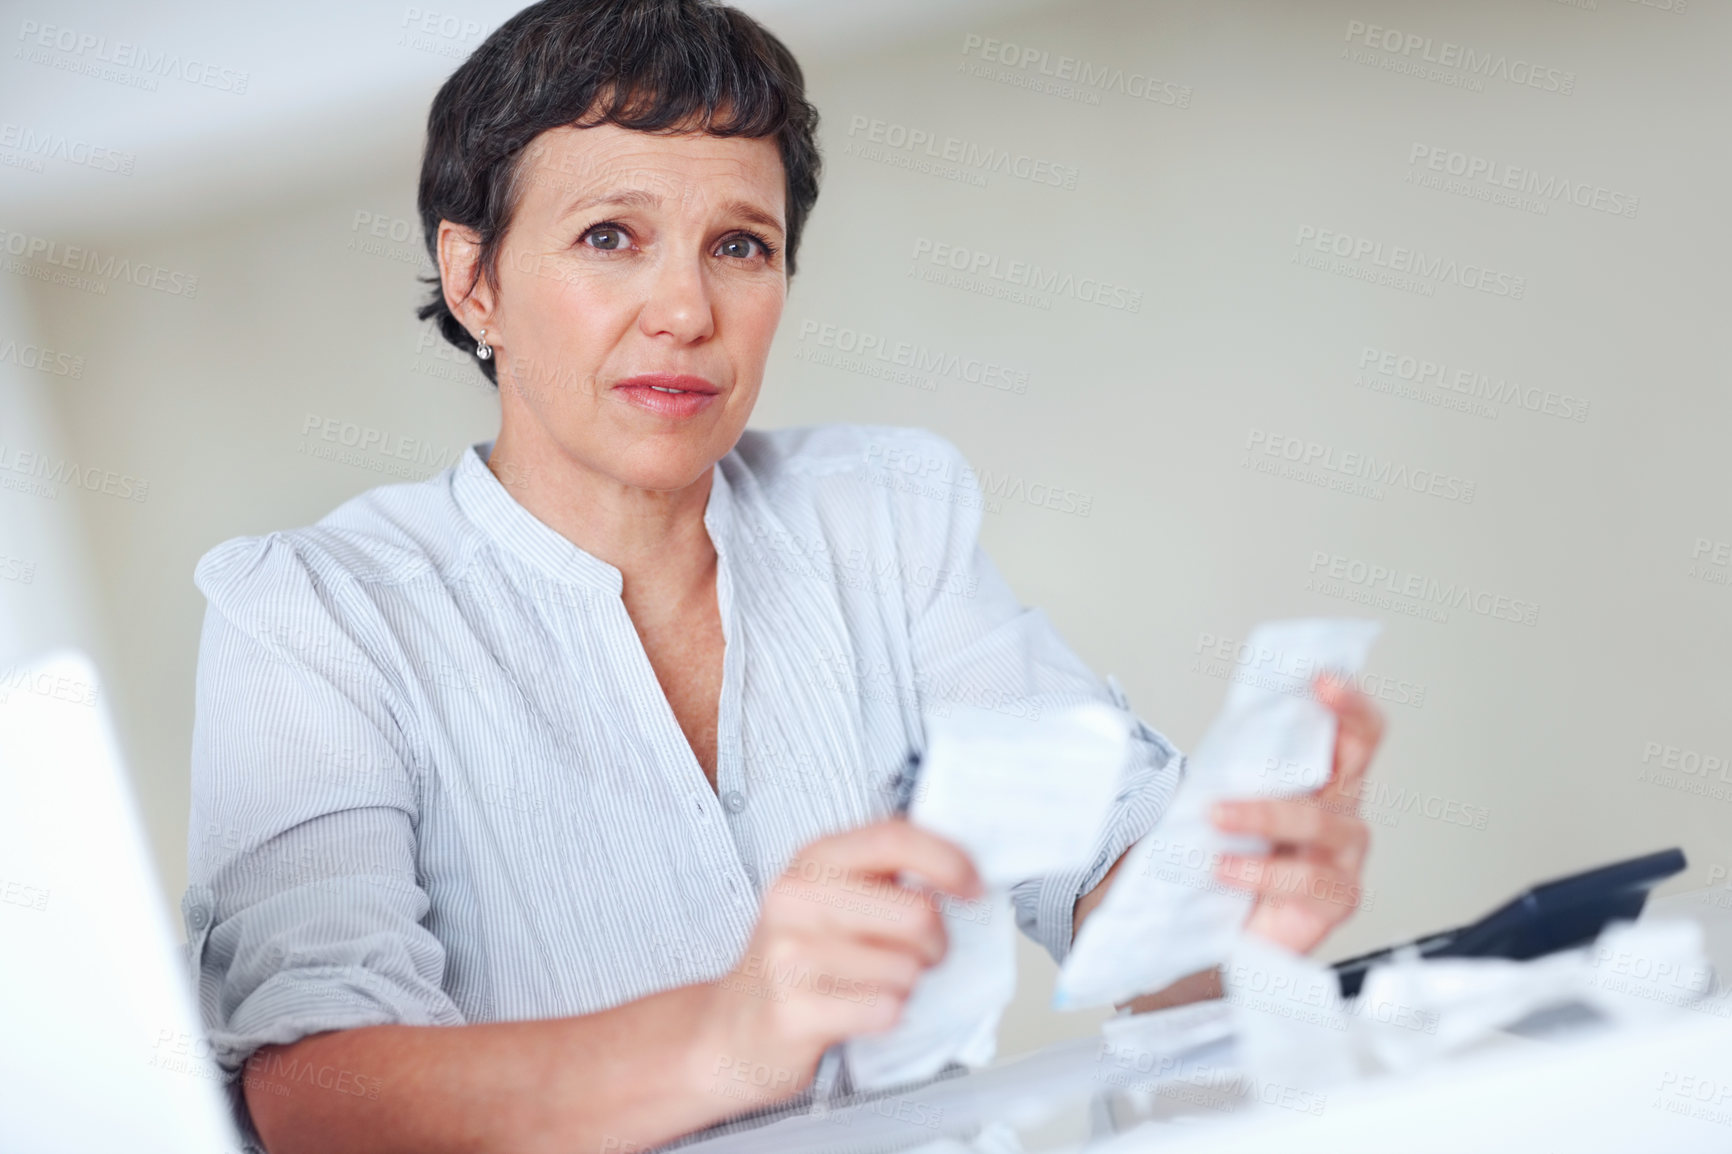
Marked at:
<point>468,294</point>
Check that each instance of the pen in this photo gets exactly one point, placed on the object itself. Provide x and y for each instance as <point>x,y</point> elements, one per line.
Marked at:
<point>901,789</point>
<point>902,785</point>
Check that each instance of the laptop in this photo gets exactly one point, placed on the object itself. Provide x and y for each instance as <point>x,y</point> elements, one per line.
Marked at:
<point>103,1049</point>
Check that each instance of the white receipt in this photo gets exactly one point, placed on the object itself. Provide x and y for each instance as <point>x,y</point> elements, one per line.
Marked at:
<point>1024,799</point>
<point>952,1015</point>
<point>1166,915</point>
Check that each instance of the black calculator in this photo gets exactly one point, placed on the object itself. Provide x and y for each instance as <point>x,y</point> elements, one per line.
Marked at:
<point>1557,915</point>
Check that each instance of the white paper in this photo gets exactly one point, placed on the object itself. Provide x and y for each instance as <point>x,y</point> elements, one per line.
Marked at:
<point>1292,1027</point>
<point>1166,915</point>
<point>1411,1011</point>
<point>953,1013</point>
<point>1288,1017</point>
<point>1024,799</point>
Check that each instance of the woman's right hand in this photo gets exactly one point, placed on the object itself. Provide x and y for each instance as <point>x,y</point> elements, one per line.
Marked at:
<point>839,944</point>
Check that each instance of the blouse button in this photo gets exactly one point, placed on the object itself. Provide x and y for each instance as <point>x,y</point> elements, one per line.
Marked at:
<point>734,800</point>
<point>198,917</point>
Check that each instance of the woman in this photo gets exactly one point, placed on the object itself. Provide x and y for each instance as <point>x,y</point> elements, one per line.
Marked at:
<point>515,790</point>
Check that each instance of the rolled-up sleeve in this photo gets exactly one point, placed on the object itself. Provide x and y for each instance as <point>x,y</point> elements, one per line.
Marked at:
<point>975,645</point>
<point>1045,907</point>
<point>303,908</point>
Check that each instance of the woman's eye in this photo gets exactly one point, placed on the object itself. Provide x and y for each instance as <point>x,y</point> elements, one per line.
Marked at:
<point>743,247</point>
<point>607,238</point>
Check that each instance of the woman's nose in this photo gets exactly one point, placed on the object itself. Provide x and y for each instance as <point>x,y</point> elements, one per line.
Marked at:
<point>678,302</point>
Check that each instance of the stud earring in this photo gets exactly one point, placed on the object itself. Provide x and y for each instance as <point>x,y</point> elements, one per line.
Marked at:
<point>483,350</point>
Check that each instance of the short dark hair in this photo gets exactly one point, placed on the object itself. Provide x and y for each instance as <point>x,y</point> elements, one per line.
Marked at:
<point>651,65</point>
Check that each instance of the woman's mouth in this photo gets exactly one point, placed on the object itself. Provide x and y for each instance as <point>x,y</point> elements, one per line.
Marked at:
<point>668,394</point>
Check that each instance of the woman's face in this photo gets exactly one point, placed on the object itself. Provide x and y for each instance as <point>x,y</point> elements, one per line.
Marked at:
<point>635,264</point>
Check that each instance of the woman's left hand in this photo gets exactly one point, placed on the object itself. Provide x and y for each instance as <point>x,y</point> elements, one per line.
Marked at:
<point>1309,882</point>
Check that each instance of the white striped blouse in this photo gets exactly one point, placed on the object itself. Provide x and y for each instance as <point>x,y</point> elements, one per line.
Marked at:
<point>436,781</point>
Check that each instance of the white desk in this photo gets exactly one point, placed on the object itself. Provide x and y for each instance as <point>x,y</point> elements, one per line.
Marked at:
<point>1560,1086</point>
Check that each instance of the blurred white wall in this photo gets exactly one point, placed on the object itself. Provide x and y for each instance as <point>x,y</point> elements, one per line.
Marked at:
<point>1244,173</point>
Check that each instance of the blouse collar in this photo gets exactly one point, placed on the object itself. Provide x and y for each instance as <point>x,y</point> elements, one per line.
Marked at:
<point>489,506</point>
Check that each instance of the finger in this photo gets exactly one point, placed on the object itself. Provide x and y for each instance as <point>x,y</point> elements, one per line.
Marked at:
<point>870,985</point>
<point>894,846</point>
<point>872,968</point>
<point>1302,822</point>
<point>869,908</point>
<point>858,987</point>
<point>1358,733</point>
<point>1324,800</point>
<point>821,978</point>
<point>1293,881</point>
<point>821,992</point>
<point>1349,857</point>
<point>1297,926</point>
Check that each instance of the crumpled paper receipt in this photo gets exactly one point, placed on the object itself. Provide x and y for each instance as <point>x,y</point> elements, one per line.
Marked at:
<point>1411,1010</point>
<point>1024,798</point>
<point>1289,1021</point>
<point>1294,1029</point>
<point>1166,915</point>
<point>952,1015</point>
<point>993,1138</point>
